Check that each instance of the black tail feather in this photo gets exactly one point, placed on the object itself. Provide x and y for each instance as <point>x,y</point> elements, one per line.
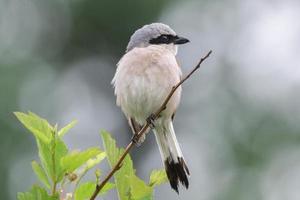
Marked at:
<point>177,171</point>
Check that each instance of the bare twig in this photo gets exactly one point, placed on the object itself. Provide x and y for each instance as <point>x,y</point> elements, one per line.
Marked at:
<point>118,165</point>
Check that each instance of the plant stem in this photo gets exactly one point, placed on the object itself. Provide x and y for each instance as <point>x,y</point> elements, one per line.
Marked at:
<point>53,162</point>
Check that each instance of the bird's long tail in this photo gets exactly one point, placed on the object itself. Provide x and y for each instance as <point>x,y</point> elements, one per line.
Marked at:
<point>171,155</point>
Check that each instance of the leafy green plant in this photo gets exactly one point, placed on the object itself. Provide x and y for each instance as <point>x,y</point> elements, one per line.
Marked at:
<point>58,167</point>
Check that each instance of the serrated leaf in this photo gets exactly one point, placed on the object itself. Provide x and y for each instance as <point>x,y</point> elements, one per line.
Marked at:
<point>53,169</point>
<point>85,190</point>
<point>65,129</point>
<point>122,176</point>
<point>36,193</point>
<point>113,153</point>
<point>38,126</point>
<point>139,190</point>
<point>158,177</point>
<point>75,159</point>
<point>40,173</point>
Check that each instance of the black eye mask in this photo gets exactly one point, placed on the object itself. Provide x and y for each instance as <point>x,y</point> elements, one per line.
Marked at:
<point>163,39</point>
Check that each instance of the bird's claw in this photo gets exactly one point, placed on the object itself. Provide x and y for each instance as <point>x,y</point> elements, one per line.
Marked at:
<point>135,138</point>
<point>150,121</point>
<point>138,140</point>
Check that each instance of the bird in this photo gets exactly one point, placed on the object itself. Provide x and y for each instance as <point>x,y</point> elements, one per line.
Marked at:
<point>144,77</point>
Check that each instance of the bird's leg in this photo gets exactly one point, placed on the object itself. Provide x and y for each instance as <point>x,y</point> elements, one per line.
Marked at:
<point>150,120</point>
<point>138,140</point>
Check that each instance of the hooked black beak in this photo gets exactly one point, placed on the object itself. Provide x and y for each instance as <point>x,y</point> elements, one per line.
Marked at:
<point>180,40</point>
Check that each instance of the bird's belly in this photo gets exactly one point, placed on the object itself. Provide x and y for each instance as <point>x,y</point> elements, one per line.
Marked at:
<point>144,93</point>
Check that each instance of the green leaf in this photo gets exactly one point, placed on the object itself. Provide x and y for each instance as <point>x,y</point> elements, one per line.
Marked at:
<point>98,173</point>
<point>56,149</point>
<point>65,129</point>
<point>108,186</point>
<point>94,161</point>
<point>49,145</point>
<point>139,190</point>
<point>76,159</point>
<point>113,153</point>
<point>90,164</point>
<point>122,176</point>
<point>60,151</point>
<point>38,126</point>
<point>40,173</point>
<point>24,196</point>
<point>85,190</point>
<point>36,193</point>
<point>158,177</point>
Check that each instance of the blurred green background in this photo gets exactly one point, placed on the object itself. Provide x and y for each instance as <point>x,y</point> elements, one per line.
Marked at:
<point>239,120</point>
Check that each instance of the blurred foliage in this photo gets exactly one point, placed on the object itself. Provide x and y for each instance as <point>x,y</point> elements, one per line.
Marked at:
<point>95,27</point>
<point>60,167</point>
<point>105,26</point>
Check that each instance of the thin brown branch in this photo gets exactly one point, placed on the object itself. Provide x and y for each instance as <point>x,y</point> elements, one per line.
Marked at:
<point>118,165</point>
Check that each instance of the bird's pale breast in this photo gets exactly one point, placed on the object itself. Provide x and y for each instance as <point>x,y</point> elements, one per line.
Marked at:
<point>143,79</point>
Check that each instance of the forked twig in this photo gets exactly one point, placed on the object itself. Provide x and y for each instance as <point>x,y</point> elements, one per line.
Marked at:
<point>118,165</point>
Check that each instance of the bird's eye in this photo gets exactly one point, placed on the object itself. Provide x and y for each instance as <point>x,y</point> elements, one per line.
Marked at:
<point>164,39</point>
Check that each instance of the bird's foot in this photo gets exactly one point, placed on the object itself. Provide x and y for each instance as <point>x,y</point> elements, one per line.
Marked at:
<point>138,140</point>
<point>150,120</point>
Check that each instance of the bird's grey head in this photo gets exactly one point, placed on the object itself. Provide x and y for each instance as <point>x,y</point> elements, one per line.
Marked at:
<point>155,34</point>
